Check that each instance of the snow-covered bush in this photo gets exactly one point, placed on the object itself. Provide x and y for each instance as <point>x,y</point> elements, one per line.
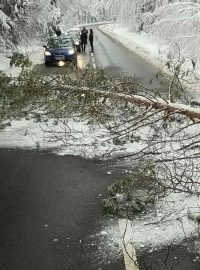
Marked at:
<point>177,23</point>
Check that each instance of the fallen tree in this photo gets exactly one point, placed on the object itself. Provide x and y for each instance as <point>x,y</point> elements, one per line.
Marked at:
<point>158,139</point>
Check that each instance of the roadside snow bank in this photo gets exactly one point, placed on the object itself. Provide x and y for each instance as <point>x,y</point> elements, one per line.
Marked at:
<point>35,54</point>
<point>4,62</point>
<point>169,222</point>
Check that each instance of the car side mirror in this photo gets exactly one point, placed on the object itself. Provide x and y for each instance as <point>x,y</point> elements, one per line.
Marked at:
<point>45,46</point>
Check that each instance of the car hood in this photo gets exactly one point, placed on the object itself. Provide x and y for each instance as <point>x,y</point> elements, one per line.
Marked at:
<point>59,50</point>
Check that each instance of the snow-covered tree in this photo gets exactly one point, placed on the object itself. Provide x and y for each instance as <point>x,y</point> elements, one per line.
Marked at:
<point>22,21</point>
<point>174,23</point>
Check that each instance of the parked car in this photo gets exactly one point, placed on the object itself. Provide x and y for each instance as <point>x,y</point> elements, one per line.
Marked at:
<point>75,35</point>
<point>59,50</point>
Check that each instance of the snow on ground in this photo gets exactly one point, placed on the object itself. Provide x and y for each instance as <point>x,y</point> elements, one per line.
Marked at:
<point>73,137</point>
<point>169,222</point>
<point>106,244</point>
<point>35,54</point>
<point>4,62</point>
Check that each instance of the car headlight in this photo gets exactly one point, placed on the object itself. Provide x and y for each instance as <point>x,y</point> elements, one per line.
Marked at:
<point>77,43</point>
<point>71,51</point>
<point>47,53</point>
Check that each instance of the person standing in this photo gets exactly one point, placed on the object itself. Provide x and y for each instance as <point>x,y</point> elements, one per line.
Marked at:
<point>84,37</point>
<point>91,40</point>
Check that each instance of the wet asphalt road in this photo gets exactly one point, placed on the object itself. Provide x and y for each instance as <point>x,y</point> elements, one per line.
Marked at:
<point>171,257</point>
<point>49,208</point>
<point>117,60</point>
<point>51,217</point>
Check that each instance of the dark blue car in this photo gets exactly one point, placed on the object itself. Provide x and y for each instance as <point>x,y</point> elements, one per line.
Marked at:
<point>59,50</point>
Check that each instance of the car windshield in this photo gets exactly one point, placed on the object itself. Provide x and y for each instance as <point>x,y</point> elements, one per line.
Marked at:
<point>59,43</point>
<point>74,35</point>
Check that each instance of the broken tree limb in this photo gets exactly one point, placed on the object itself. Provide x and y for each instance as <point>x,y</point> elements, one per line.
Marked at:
<point>157,104</point>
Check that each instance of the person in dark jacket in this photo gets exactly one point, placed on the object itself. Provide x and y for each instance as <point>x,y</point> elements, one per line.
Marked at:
<point>84,37</point>
<point>91,39</point>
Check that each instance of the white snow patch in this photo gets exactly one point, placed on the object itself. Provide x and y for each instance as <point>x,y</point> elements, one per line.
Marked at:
<point>35,54</point>
<point>76,137</point>
<point>168,222</point>
<point>4,62</point>
<point>108,246</point>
